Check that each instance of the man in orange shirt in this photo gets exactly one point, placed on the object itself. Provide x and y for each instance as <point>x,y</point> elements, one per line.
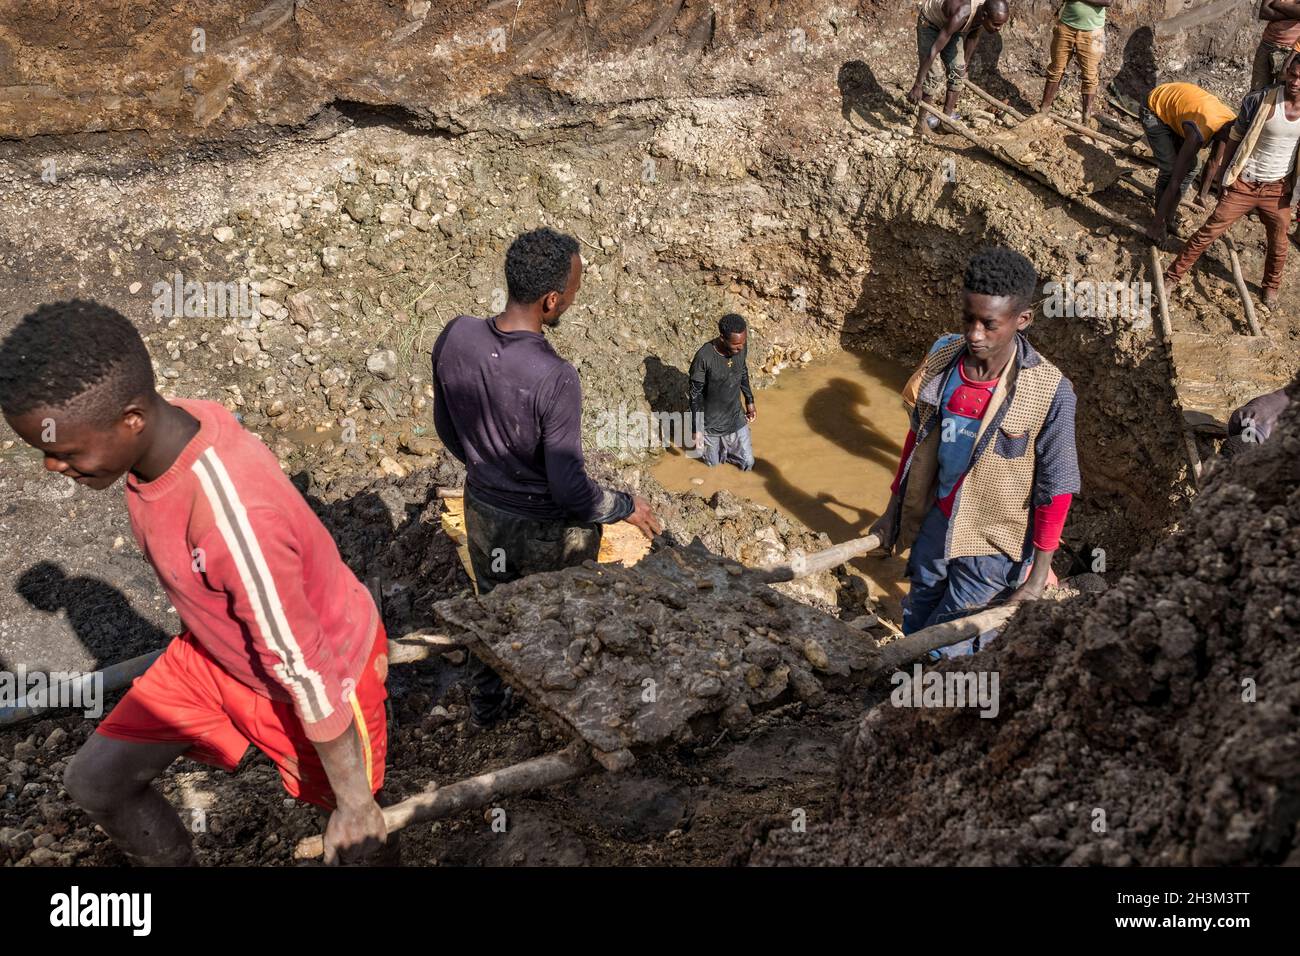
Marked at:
<point>1179,120</point>
<point>1260,175</point>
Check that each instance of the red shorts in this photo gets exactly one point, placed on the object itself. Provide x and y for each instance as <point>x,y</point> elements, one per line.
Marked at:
<point>186,696</point>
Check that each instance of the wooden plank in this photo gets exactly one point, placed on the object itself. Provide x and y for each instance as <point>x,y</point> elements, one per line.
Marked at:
<point>620,543</point>
<point>1037,175</point>
<point>1216,374</point>
<point>1167,335</point>
<point>1246,303</point>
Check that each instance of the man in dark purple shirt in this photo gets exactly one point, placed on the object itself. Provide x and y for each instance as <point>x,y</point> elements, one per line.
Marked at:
<point>511,409</point>
<point>1253,423</point>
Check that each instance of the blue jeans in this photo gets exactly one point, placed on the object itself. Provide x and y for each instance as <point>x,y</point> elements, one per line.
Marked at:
<point>1166,143</point>
<point>946,589</point>
<point>734,449</point>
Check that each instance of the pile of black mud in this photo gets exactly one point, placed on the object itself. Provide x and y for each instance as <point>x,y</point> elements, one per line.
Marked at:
<point>629,657</point>
<point>1155,724</point>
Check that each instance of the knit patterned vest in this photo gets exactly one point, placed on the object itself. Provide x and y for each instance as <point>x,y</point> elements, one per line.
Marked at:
<point>992,509</point>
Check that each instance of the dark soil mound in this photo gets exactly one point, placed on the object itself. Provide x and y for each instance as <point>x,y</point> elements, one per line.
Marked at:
<point>1153,724</point>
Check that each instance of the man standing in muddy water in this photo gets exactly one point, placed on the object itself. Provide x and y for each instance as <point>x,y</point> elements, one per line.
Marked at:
<point>989,466</point>
<point>719,377</point>
<point>510,408</point>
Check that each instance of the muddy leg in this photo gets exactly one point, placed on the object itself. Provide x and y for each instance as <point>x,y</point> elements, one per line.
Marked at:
<point>112,780</point>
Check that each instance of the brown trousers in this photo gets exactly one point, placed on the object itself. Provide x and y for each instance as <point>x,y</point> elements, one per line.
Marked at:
<point>1089,46</point>
<point>1273,203</point>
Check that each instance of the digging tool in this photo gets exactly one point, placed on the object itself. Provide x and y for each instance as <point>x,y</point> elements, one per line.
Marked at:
<point>420,646</point>
<point>993,101</point>
<point>547,771</point>
<point>832,557</point>
<point>1246,302</point>
<point>1131,149</point>
<point>1167,333</point>
<point>897,653</point>
<point>1089,204</point>
<point>579,759</point>
<point>1119,127</point>
<point>105,681</point>
<point>408,648</point>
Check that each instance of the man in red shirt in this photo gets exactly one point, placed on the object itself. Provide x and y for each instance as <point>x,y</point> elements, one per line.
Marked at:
<point>282,645</point>
<point>989,465</point>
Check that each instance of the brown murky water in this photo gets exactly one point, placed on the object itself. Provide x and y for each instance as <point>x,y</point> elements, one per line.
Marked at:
<point>826,444</point>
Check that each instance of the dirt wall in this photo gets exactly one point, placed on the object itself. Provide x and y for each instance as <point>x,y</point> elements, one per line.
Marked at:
<point>1152,725</point>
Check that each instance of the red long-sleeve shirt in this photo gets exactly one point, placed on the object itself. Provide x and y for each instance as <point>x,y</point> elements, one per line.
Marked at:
<point>253,573</point>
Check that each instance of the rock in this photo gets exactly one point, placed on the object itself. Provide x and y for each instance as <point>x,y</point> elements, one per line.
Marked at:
<point>389,467</point>
<point>762,653</point>
<point>223,234</point>
<point>360,206</point>
<point>614,761</point>
<point>815,654</point>
<point>246,352</point>
<point>736,715</point>
<point>558,678</point>
<point>16,842</point>
<point>306,310</point>
<point>383,364</point>
<point>806,687</point>
<point>385,262</point>
<point>56,738</point>
<point>391,214</point>
<point>706,686</point>
<point>416,444</point>
<point>331,257</point>
<point>270,287</point>
<point>43,857</point>
<point>24,751</point>
<point>276,409</point>
<point>422,201</point>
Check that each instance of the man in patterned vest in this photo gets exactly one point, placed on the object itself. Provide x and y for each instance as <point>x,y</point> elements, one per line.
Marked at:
<point>989,466</point>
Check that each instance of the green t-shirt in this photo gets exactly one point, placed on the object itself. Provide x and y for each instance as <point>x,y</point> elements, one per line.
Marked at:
<point>1083,16</point>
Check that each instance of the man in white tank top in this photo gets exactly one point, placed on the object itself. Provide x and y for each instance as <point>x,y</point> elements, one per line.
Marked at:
<point>1274,155</point>
<point>1259,175</point>
<point>948,31</point>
